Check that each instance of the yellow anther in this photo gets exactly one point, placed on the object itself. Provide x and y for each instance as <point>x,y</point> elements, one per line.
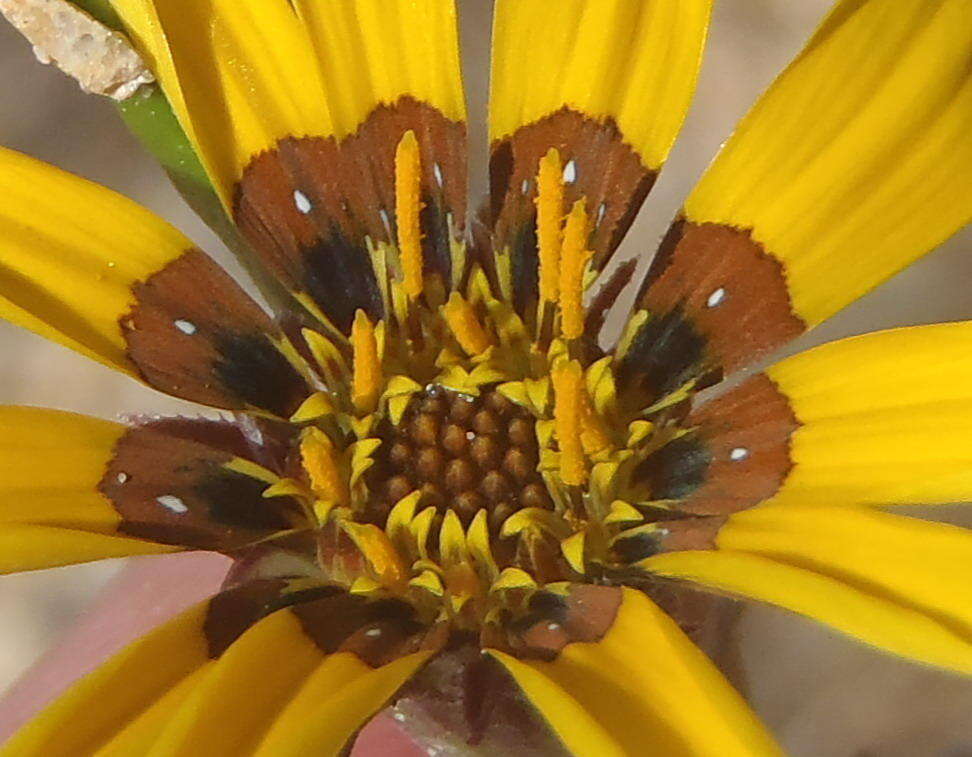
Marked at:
<point>550,218</point>
<point>366,381</point>
<point>408,204</point>
<point>568,381</point>
<point>573,260</point>
<point>319,459</point>
<point>469,332</point>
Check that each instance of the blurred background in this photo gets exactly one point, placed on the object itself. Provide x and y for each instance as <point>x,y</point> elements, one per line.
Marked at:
<point>822,694</point>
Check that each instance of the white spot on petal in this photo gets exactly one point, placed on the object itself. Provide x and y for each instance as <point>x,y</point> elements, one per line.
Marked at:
<point>525,186</point>
<point>716,297</point>
<point>570,172</point>
<point>437,170</point>
<point>383,214</point>
<point>738,453</point>
<point>186,327</point>
<point>303,204</point>
<point>121,478</point>
<point>172,503</point>
<point>373,633</point>
<point>601,210</point>
<point>399,716</point>
<point>552,626</point>
<point>470,435</point>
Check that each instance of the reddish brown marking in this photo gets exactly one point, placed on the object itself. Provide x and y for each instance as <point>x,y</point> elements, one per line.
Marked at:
<point>227,360</point>
<point>233,611</point>
<point>585,614</point>
<point>377,632</point>
<point>689,533</point>
<point>757,417</point>
<point>348,184</point>
<point>755,314</point>
<point>224,510</point>
<point>608,171</point>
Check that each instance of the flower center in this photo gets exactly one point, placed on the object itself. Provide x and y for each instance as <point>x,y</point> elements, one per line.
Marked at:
<point>463,453</point>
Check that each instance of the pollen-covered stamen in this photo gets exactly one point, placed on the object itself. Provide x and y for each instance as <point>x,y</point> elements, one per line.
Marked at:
<point>550,217</point>
<point>463,453</point>
<point>573,261</point>
<point>569,399</point>
<point>408,206</point>
<point>367,376</point>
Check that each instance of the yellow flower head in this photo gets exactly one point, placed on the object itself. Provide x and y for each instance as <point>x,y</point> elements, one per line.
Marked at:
<point>439,468</point>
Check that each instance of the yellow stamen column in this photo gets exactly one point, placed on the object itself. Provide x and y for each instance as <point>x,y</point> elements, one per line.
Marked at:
<point>366,379</point>
<point>568,381</point>
<point>408,205</point>
<point>573,261</point>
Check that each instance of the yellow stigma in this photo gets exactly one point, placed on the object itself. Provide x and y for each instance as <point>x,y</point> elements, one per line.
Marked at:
<point>462,320</point>
<point>366,379</point>
<point>573,259</point>
<point>568,381</point>
<point>550,217</point>
<point>319,458</point>
<point>408,183</point>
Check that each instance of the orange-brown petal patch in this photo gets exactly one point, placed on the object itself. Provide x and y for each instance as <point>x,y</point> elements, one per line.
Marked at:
<point>715,301</point>
<point>737,455</point>
<point>195,334</point>
<point>308,206</point>
<point>599,167</point>
<point>174,490</point>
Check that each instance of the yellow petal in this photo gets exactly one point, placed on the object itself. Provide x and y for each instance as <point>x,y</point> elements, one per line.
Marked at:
<point>881,178</point>
<point>885,418</point>
<point>74,488</point>
<point>877,419</point>
<point>102,703</point>
<point>627,693</point>
<point>371,52</point>
<point>849,604</point>
<point>51,510</point>
<point>914,563</point>
<point>70,251</point>
<point>240,76</point>
<point>229,711</point>
<point>93,271</point>
<point>139,735</point>
<point>631,61</point>
<point>606,83</point>
<point>792,223</point>
<point>337,700</point>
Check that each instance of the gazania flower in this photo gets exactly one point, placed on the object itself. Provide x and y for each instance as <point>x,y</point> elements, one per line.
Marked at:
<point>441,489</point>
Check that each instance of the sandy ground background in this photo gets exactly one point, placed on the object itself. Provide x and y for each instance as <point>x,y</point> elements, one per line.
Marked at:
<point>823,695</point>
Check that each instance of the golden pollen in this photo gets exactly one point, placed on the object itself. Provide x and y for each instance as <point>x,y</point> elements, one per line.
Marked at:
<point>463,453</point>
